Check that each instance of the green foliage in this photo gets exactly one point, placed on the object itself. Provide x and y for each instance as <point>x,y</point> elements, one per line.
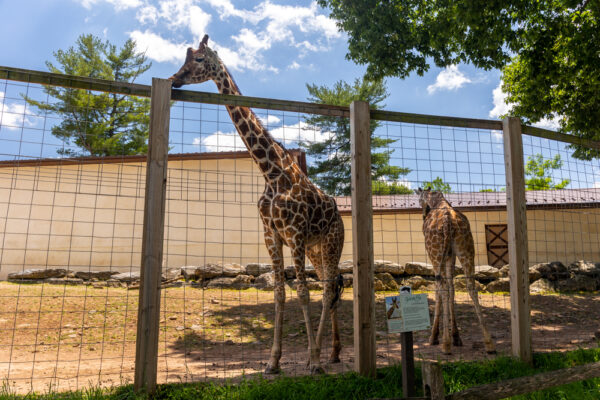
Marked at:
<point>388,188</point>
<point>437,185</point>
<point>331,171</point>
<point>548,49</point>
<point>100,124</point>
<point>538,173</point>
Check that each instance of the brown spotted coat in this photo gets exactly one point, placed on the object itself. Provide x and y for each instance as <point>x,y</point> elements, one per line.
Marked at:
<point>447,236</point>
<point>294,211</point>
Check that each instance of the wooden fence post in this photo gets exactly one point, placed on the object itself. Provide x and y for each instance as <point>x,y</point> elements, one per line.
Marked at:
<point>518,256</point>
<point>433,381</point>
<point>362,240</point>
<point>146,346</point>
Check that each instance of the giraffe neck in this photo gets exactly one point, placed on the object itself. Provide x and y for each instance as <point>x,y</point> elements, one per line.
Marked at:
<point>272,159</point>
<point>436,202</point>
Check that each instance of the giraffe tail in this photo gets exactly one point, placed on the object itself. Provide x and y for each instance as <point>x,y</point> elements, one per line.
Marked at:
<point>338,289</point>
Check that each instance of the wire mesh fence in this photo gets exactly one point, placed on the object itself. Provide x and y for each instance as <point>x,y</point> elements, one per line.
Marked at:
<point>70,239</point>
<point>563,241</point>
<point>72,232</point>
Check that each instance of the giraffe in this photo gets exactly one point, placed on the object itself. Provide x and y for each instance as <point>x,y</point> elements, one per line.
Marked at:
<point>448,235</point>
<point>294,212</point>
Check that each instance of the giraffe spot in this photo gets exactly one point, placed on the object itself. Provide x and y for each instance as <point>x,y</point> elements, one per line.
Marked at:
<point>244,128</point>
<point>259,153</point>
<point>263,142</point>
<point>251,140</point>
<point>226,83</point>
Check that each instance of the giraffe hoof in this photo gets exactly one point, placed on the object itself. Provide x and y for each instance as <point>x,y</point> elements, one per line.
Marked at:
<point>270,370</point>
<point>457,342</point>
<point>334,360</point>
<point>434,342</point>
<point>316,370</point>
<point>491,351</point>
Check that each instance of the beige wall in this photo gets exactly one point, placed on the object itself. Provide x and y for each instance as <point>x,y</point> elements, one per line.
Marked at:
<point>89,216</point>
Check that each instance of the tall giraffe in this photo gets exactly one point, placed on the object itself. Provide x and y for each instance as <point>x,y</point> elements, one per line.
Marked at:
<point>294,211</point>
<point>448,235</point>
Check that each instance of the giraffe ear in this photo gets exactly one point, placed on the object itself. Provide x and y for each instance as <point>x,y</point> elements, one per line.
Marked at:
<point>418,191</point>
<point>428,189</point>
<point>204,41</point>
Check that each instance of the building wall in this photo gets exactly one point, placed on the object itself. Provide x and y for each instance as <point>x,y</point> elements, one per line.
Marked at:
<point>90,216</point>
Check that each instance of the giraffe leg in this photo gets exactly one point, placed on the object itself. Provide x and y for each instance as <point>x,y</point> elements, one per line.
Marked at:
<point>298,253</point>
<point>469,265</point>
<point>446,311</point>
<point>435,327</point>
<point>326,257</point>
<point>451,259</point>
<point>274,246</point>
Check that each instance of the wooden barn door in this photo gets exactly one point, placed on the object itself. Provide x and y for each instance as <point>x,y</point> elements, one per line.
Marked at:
<point>496,239</point>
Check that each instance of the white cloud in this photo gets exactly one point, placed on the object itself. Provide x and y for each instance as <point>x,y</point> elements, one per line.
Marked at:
<point>499,100</point>
<point>278,24</point>
<point>270,119</point>
<point>221,141</point>
<point>147,14</point>
<point>497,136</point>
<point>502,108</point>
<point>231,141</point>
<point>547,123</point>
<point>119,5</point>
<point>13,116</point>
<point>184,14</point>
<point>449,79</point>
<point>294,65</point>
<point>157,48</point>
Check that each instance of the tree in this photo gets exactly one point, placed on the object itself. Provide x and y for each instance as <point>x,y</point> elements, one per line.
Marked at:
<point>389,188</point>
<point>100,124</point>
<point>437,185</point>
<point>538,173</point>
<point>547,50</point>
<point>331,171</point>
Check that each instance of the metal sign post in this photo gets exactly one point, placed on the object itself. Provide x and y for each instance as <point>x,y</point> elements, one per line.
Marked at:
<point>407,313</point>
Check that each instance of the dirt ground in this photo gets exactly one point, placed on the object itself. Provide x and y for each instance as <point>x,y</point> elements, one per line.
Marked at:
<point>68,337</point>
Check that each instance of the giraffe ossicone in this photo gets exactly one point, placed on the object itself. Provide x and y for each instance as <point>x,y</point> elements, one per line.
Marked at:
<point>294,211</point>
<point>447,236</point>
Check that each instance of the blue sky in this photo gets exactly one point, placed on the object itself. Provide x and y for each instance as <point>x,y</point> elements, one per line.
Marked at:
<point>272,48</point>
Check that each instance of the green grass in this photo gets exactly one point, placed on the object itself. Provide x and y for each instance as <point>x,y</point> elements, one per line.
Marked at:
<point>457,376</point>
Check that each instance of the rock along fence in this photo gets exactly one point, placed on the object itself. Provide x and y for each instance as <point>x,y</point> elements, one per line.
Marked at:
<point>544,277</point>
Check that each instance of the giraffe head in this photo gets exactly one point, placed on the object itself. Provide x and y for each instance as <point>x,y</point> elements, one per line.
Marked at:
<point>429,199</point>
<point>200,65</point>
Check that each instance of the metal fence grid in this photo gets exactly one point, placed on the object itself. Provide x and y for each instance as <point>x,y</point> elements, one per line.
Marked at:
<point>83,215</point>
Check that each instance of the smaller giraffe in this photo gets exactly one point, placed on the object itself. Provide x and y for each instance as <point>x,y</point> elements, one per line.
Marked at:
<point>447,236</point>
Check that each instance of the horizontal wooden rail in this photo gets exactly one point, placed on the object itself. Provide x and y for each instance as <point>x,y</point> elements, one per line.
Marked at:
<point>528,384</point>
<point>561,137</point>
<point>134,89</point>
<point>71,81</point>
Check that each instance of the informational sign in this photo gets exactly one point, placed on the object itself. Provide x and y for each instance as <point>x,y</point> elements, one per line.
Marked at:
<point>407,313</point>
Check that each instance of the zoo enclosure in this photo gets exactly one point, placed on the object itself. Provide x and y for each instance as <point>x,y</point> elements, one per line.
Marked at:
<point>362,213</point>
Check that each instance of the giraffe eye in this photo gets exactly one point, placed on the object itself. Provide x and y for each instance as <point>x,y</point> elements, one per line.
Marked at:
<point>199,59</point>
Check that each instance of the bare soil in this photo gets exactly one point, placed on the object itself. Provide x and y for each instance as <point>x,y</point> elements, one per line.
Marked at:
<point>69,337</point>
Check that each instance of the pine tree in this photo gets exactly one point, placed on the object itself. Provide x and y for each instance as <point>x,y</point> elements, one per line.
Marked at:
<point>331,170</point>
<point>99,124</point>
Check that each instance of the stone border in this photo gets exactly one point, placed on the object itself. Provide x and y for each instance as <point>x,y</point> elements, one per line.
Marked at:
<point>389,276</point>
